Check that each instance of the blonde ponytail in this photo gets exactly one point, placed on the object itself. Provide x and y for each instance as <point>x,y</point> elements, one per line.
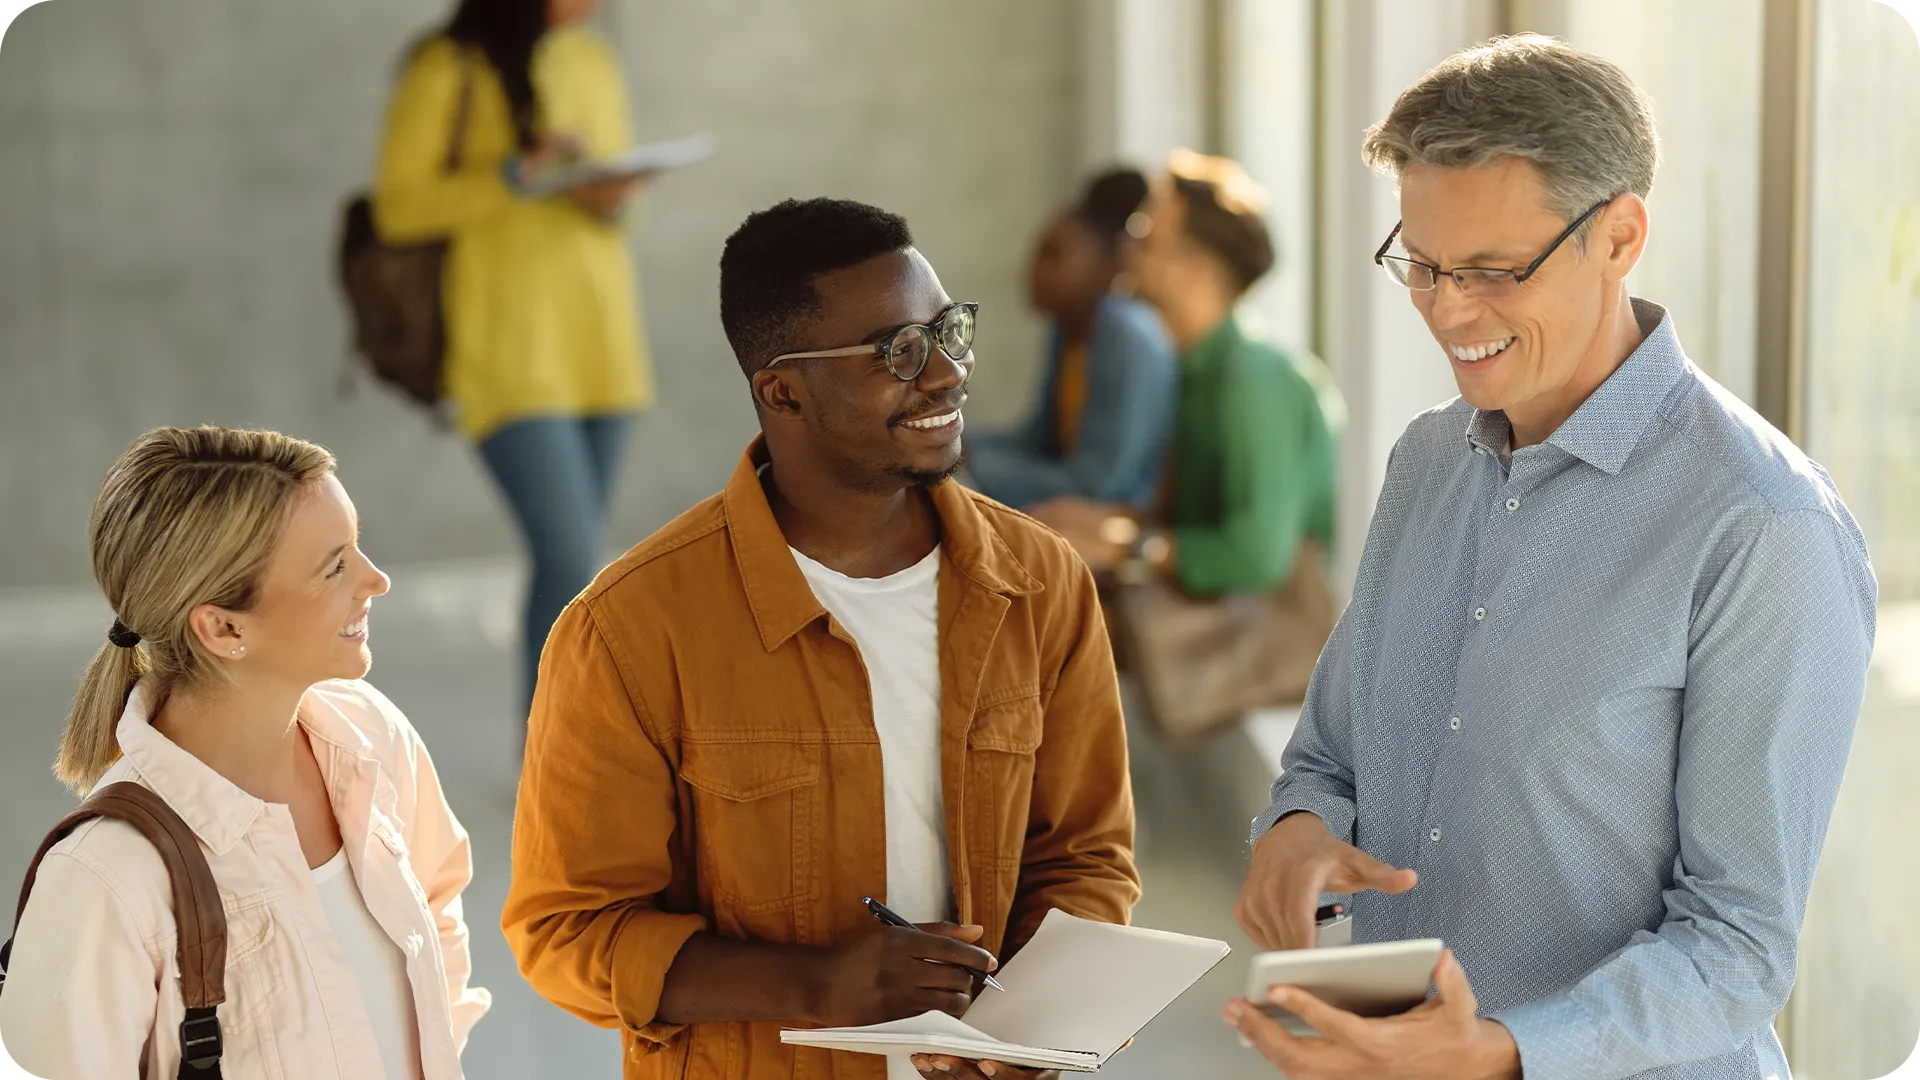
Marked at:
<point>186,516</point>
<point>90,748</point>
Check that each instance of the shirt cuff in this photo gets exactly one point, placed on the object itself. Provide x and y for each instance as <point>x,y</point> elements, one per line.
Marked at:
<point>1335,810</point>
<point>1556,1038</point>
<point>642,955</point>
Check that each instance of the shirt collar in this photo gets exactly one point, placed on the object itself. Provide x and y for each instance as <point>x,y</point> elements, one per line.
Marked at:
<point>215,808</point>
<point>1606,427</point>
<point>777,592</point>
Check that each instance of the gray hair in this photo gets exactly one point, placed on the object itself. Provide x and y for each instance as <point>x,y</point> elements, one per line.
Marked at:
<point>1585,126</point>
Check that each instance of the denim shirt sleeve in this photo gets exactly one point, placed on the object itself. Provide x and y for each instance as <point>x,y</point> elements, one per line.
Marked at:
<point>1779,646</point>
<point>1133,383</point>
<point>1317,768</point>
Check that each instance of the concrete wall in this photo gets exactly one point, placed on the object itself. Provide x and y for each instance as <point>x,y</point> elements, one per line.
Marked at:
<point>173,171</point>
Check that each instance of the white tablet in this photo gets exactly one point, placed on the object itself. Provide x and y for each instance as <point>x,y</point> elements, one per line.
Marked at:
<point>1368,980</point>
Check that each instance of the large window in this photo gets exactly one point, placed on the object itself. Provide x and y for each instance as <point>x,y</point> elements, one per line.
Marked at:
<point>1857,1006</point>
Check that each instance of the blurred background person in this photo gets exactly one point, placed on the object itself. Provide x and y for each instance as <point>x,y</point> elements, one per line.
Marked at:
<point>1099,430</point>
<point>1249,498</point>
<point>230,686</point>
<point>546,365</point>
<point>1252,459</point>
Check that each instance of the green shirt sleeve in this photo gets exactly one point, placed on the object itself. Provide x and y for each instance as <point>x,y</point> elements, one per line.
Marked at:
<point>1277,462</point>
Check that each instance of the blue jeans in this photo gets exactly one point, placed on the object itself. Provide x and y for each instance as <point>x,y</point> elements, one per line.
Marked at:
<point>557,473</point>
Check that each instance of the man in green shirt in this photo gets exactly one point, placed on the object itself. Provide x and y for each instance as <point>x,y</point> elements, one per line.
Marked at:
<point>1251,471</point>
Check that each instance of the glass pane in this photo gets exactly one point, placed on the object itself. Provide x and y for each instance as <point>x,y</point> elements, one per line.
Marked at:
<point>1700,63</point>
<point>1856,1008</point>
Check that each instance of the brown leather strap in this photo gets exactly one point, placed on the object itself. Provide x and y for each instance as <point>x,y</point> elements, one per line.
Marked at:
<point>201,921</point>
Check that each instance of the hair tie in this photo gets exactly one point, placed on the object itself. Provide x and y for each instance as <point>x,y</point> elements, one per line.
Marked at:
<point>121,636</point>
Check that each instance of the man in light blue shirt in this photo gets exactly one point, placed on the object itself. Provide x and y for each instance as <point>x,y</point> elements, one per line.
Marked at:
<point>1587,714</point>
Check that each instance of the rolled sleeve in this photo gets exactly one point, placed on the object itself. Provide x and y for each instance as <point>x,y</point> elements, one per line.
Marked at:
<point>591,856</point>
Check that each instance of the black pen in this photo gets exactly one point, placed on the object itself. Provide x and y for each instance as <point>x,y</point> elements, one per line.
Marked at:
<point>886,915</point>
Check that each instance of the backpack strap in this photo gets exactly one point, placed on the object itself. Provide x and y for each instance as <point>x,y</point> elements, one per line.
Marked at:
<point>197,913</point>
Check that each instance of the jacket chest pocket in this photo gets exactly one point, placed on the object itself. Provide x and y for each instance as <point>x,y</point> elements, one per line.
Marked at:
<point>261,956</point>
<point>1001,744</point>
<point>756,819</point>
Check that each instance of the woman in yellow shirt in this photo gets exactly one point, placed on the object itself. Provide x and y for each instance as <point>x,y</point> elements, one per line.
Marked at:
<point>545,363</point>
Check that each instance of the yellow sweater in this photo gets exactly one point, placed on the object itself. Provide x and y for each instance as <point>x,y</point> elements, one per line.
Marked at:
<point>543,312</point>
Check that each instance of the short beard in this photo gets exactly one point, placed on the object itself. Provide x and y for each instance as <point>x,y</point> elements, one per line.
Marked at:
<point>929,478</point>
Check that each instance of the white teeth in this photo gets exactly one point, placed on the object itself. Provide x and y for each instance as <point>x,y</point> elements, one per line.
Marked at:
<point>354,627</point>
<point>1468,356</point>
<point>932,422</point>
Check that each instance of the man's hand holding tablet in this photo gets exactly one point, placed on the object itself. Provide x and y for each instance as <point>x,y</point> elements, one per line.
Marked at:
<point>1442,1038</point>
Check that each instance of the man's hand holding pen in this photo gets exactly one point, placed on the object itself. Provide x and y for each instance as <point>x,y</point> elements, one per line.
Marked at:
<point>886,975</point>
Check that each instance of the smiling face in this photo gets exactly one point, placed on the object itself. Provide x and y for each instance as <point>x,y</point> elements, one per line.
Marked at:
<point>1537,354</point>
<point>876,432</point>
<point>308,622</point>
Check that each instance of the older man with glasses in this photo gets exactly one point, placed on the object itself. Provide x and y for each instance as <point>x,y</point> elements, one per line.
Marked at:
<point>1587,714</point>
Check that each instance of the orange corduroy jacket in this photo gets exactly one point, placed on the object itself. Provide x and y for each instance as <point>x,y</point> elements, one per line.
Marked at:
<point>702,757</point>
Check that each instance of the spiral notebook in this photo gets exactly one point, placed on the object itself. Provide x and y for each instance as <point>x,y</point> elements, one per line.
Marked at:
<point>1075,995</point>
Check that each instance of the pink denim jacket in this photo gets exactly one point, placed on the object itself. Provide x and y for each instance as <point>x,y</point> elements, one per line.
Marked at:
<point>94,988</point>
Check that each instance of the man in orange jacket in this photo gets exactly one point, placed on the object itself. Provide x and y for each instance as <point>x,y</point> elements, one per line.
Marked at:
<point>842,676</point>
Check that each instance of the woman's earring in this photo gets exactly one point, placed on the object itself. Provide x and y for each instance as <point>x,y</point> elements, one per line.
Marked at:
<point>239,649</point>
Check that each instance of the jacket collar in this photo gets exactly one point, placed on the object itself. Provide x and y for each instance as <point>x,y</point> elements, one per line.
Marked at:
<point>777,592</point>
<point>216,809</point>
<point>1606,428</point>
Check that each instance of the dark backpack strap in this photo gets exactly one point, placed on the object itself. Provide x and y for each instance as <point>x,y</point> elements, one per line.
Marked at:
<point>200,920</point>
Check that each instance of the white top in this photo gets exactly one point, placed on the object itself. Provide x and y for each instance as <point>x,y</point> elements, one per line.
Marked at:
<point>895,623</point>
<point>378,965</point>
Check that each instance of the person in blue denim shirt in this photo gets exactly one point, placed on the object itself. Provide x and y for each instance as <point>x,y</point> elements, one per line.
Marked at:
<point>1107,401</point>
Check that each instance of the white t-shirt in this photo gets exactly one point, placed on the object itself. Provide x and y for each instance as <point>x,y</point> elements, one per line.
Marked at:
<point>895,622</point>
<point>378,965</point>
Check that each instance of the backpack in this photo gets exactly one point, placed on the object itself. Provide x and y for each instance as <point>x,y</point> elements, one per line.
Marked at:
<point>197,914</point>
<point>393,290</point>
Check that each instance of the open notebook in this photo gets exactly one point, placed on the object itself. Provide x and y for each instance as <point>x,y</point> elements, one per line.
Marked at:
<point>1075,994</point>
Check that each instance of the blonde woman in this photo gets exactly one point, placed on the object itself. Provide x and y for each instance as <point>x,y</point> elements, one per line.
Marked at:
<point>230,686</point>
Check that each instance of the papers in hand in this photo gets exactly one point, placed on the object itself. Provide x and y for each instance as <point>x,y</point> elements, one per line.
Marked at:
<point>646,158</point>
<point>1075,994</point>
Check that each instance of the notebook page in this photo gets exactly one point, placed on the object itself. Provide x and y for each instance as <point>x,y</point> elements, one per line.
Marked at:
<point>1089,986</point>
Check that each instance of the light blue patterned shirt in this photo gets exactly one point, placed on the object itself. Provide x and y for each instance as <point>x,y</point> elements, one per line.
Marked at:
<point>1602,704</point>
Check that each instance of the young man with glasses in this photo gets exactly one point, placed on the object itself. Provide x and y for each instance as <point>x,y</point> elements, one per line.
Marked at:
<point>842,677</point>
<point>1587,713</point>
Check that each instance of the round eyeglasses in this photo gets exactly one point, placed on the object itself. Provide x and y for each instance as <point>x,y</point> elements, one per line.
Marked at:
<point>906,349</point>
<point>1480,281</point>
